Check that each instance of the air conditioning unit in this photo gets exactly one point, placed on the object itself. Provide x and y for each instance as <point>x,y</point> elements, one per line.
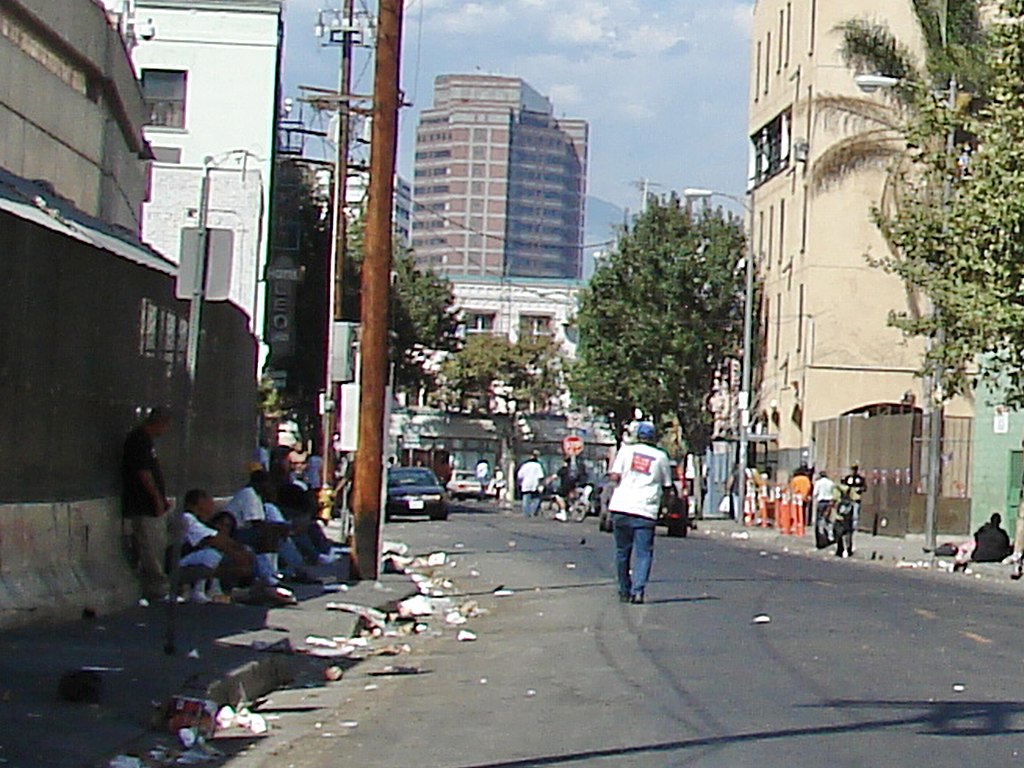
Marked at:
<point>801,150</point>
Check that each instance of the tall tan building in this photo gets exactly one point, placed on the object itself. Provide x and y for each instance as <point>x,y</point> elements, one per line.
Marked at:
<point>825,345</point>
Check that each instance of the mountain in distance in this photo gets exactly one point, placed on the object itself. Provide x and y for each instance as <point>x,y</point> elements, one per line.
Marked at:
<point>602,223</point>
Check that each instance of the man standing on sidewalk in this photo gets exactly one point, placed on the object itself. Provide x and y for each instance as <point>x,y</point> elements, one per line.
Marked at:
<point>531,480</point>
<point>642,473</point>
<point>144,501</point>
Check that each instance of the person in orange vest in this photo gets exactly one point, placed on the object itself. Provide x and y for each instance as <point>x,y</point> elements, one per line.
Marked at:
<point>800,486</point>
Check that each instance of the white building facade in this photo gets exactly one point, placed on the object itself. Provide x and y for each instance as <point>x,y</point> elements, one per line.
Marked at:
<point>209,71</point>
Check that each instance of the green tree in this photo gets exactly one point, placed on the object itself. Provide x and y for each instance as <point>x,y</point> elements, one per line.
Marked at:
<point>525,375</point>
<point>958,233</point>
<point>660,317</point>
<point>424,322</point>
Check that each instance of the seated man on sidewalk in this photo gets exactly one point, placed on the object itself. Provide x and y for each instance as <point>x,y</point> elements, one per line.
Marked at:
<point>208,555</point>
<point>261,526</point>
<point>991,544</point>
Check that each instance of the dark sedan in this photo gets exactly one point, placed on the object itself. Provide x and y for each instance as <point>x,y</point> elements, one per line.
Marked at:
<point>415,491</point>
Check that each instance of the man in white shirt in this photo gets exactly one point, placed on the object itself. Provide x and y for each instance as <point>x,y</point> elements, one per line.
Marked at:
<point>531,482</point>
<point>823,495</point>
<point>643,474</point>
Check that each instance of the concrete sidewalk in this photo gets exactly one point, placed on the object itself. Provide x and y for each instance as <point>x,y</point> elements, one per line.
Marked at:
<point>904,553</point>
<point>217,657</point>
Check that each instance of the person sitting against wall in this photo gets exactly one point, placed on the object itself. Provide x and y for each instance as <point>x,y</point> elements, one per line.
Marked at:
<point>991,544</point>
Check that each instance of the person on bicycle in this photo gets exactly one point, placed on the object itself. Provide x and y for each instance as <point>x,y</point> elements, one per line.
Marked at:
<point>571,475</point>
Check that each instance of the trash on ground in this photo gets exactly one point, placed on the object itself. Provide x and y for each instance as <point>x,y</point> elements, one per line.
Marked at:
<point>571,566</point>
<point>502,591</point>
<point>436,559</point>
<point>474,573</point>
<point>333,673</point>
<point>761,618</point>
<point>394,548</point>
<point>125,761</point>
<point>191,712</point>
<point>959,687</point>
<point>395,671</point>
<point>415,606</point>
<point>255,723</point>
<point>740,535</point>
<point>143,602</point>
<point>194,653</point>
<point>465,636</point>
<point>198,755</point>
<point>371,616</point>
<point>225,716</point>
<point>392,650</point>
<point>512,543</point>
<point>335,587</point>
<point>530,692</point>
<point>349,724</point>
<point>371,687</point>
<point>455,618</point>
<point>284,645</point>
<point>188,737</point>
<point>320,642</point>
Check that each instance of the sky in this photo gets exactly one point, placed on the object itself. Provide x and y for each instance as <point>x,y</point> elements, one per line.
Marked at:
<point>663,83</point>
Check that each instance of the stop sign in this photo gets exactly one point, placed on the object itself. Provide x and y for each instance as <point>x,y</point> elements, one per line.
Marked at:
<point>572,445</point>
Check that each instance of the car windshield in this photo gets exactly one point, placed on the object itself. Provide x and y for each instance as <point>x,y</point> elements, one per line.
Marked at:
<point>414,476</point>
<point>461,474</point>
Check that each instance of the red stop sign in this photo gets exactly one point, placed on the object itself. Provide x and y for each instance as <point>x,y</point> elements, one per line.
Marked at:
<point>572,445</point>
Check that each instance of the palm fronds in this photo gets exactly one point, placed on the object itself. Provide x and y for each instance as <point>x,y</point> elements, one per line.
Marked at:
<point>869,46</point>
<point>854,113</point>
<point>875,148</point>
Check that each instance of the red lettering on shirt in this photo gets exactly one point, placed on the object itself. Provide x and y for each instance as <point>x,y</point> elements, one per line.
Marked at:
<point>642,464</point>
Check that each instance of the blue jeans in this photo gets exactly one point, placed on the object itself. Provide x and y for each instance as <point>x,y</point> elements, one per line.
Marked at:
<point>531,504</point>
<point>633,535</point>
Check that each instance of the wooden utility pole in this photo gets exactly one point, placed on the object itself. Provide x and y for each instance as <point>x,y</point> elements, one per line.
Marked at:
<point>376,290</point>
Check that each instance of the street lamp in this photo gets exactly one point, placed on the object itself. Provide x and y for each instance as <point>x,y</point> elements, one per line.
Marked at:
<point>934,400</point>
<point>748,332</point>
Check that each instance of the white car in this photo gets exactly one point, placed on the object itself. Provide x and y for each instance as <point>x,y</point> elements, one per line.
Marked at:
<point>464,485</point>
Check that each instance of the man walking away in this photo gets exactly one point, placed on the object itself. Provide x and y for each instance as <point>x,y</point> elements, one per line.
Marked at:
<point>531,480</point>
<point>643,473</point>
<point>144,501</point>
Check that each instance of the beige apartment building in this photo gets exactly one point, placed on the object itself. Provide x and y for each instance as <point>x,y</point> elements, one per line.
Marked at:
<point>825,345</point>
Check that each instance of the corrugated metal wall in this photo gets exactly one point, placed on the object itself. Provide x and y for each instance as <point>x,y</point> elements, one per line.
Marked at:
<point>87,340</point>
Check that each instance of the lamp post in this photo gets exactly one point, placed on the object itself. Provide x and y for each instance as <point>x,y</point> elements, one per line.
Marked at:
<point>748,332</point>
<point>934,399</point>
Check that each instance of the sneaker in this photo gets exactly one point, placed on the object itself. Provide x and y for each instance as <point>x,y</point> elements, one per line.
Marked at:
<point>637,599</point>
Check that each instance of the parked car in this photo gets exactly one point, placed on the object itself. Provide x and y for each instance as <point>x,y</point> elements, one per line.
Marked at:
<point>465,485</point>
<point>415,491</point>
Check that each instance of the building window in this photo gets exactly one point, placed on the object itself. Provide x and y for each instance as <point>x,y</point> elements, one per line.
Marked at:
<point>535,325</point>
<point>164,93</point>
<point>771,148</point>
<point>480,322</point>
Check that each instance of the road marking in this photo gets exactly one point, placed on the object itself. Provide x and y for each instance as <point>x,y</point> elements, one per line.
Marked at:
<point>926,614</point>
<point>977,638</point>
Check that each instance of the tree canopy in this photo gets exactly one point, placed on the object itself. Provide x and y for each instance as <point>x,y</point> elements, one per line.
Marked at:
<point>661,315</point>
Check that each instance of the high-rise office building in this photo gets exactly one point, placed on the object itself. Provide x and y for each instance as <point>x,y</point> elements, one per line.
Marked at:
<point>499,182</point>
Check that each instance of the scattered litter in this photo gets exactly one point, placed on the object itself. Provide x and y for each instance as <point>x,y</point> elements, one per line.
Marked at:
<point>739,535</point>
<point>459,545</point>
<point>198,754</point>
<point>394,548</point>
<point>483,681</point>
<point>455,618</point>
<point>143,602</point>
<point>502,592</point>
<point>188,737</point>
<point>225,717</point>
<point>284,645</point>
<point>333,673</point>
<point>190,712</point>
<point>761,618</point>
<point>125,761</point>
<point>320,642</point>
<point>465,636</point>
<point>474,573</point>
<point>251,721</point>
<point>194,653</point>
<point>97,668</point>
<point>913,564</point>
<point>395,671</point>
<point>371,616</point>
<point>959,687</point>
<point>530,692</point>
<point>435,559</point>
<point>392,650</point>
<point>349,724</point>
<point>371,687</point>
<point>418,605</point>
<point>571,566</point>
<point>762,553</point>
<point>335,587</point>
<point>357,642</point>
<point>512,543</point>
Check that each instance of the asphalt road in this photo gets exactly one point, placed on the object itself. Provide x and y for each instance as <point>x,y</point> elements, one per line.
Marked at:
<point>857,666</point>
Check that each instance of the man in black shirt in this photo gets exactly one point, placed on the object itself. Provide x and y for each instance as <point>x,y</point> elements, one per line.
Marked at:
<point>858,485</point>
<point>144,501</point>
